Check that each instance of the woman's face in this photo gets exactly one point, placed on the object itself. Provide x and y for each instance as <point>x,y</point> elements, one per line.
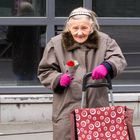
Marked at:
<point>80,29</point>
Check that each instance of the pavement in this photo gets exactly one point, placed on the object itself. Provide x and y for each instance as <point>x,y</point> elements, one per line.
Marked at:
<point>38,131</point>
<point>26,131</point>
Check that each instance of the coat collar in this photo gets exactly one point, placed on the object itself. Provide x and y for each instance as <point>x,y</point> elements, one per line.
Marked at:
<point>69,44</point>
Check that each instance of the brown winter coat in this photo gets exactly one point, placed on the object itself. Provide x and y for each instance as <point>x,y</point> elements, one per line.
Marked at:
<point>57,52</point>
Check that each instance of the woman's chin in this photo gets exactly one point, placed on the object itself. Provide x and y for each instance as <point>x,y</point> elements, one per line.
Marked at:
<point>80,41</point>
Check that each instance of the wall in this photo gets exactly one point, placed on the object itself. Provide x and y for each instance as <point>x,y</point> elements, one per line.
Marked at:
<point>38,107</point>
<point>25,108</point>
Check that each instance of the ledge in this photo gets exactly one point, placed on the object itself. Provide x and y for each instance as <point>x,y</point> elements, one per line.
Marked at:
<point>41,89</point>
<point>48,98</point>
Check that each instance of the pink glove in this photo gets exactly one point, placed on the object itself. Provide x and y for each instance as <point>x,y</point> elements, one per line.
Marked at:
<point>99,72</point>
<point>65,80</point>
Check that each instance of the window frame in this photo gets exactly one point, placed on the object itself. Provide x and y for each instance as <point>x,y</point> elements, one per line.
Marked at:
<point>51,21</point>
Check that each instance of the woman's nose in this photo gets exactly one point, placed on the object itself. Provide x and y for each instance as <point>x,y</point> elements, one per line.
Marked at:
<point>79,32</point>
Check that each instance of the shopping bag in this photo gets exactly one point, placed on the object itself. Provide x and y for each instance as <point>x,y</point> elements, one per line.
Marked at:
<point>103,123</point>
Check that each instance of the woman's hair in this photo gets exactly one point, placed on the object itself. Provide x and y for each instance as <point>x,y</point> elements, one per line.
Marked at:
<point>82,13</point>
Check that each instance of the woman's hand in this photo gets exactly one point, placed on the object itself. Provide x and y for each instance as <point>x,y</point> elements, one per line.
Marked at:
<point>65,80</point>
<point>99,72</point>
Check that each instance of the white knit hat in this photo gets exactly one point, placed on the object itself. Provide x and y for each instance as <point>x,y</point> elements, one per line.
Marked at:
<point>80,11</point>
<point>86,12</point>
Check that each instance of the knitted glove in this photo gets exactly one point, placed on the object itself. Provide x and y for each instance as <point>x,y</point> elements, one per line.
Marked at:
<point>65,80</point>
<point>99,72</point>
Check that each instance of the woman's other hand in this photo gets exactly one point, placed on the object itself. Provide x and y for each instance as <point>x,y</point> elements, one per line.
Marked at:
<point>65,80</point>
<point>99,72</point>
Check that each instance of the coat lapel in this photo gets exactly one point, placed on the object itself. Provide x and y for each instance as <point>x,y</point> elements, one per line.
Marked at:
<point>69,44</point>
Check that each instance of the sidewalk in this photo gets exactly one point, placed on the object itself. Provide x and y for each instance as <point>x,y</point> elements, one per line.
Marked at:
<point>37,131</point>
<point>26,131</point>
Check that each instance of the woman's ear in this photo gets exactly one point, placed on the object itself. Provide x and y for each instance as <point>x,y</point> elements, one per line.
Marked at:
<point>91,31</point>
<point>92,28</point>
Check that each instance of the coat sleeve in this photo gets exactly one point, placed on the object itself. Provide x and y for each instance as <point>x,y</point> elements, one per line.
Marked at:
<point>115,57</point>
<point>48,70</point>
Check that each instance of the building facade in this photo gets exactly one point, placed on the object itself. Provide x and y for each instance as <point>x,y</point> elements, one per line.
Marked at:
<point>120,19</point>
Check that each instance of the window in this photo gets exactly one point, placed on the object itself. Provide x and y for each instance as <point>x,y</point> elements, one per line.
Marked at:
<point>116,8</point>
<point>21,49</point>
<point>11,7</point>
<point>64,7</point>
<point>128,39</point>
<point>53,14</point>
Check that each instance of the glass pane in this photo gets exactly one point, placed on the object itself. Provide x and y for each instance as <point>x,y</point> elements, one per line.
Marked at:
<point>116,8</point>
<point>64,7</point>
<point>58,29</point>
<point>21,49</point>
<point>30,8</point>
<point>128,39</point>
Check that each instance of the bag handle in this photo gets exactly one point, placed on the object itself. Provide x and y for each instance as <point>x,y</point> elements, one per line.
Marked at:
<point>86,85</point>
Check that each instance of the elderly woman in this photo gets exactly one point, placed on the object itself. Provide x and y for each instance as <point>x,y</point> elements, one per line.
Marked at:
<point>94,51</point>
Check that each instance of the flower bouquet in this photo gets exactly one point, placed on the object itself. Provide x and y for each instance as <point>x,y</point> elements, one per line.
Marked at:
<point>72,66</point>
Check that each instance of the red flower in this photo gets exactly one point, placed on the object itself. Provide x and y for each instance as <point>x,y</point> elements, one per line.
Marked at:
<point>70,63</point>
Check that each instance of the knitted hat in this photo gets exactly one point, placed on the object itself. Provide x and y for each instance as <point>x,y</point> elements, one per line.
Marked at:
<point>80,11</point>
<point>85,12</point>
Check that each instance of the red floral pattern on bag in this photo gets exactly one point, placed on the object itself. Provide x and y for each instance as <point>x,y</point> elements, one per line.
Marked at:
<point>105,123</point>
